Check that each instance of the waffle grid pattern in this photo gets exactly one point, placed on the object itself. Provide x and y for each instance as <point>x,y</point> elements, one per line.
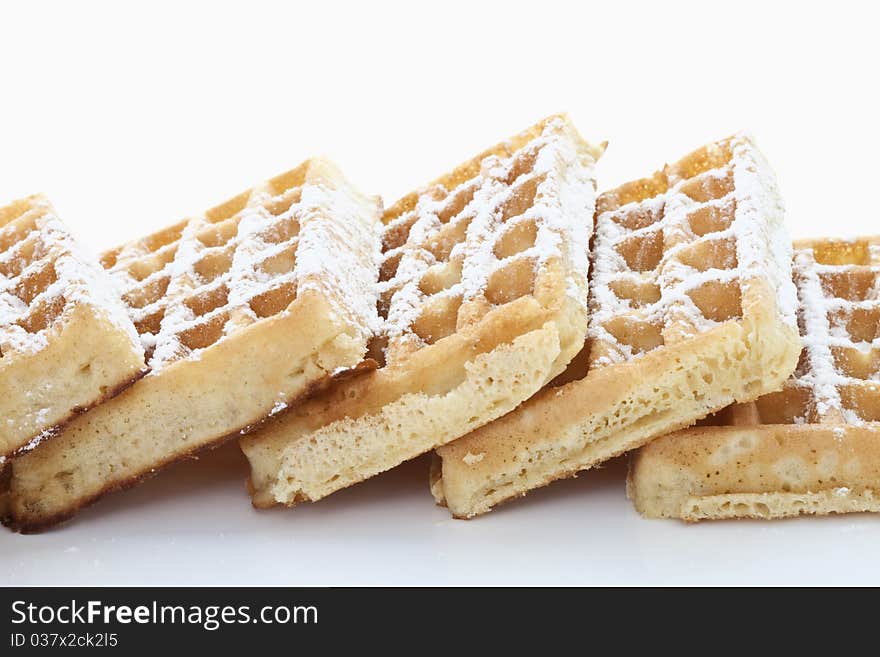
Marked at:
<point>838,377</point>
<point>43,274</point>
<point>809,448</point>
<point>692,306</point>
<point>190,285</point>
<point>27,271</point>
<point>456,254</point>
<point>666,264</point>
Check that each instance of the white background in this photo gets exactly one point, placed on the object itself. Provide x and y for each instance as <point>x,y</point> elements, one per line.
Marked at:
<point>133,118</point>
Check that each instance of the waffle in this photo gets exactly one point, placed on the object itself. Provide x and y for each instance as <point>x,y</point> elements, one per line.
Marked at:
<point>66,342</point>
<point>242,310</point>
<point>483,287</point>
<point>811,447</point>
<point>691,308</point>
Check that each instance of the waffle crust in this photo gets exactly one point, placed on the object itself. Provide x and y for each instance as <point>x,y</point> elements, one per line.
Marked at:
<point>483,287</point>
<point>243,312</point>
<point>812,447</point>
<point>66,342</point>
<point>692,308</point>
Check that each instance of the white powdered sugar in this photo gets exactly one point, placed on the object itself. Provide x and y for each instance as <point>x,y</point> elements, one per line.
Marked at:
<point>339,254</point>
<point>560,176</point>
<point>824,329</point>
<point>277,408</point>
<point>325,240</point>
<point>34,442</point>
<point>821,376</point>
<point>472,459</point>
<point>762,248</point>
<point>78,280</point>
<point>177,316</point>
<point>763,244</point>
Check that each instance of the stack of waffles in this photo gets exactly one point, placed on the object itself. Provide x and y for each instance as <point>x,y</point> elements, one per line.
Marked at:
<point>241,310</point>
<point>504,317</point>
<point>483,295</point>
<point>691,308</point>
<point>811,447</point>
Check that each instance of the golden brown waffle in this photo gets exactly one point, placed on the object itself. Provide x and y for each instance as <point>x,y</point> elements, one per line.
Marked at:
<point>66,342</point>
<point>811,447</point>
<point>483,290</point>
<point>242,310</point>
<point>691,308</point>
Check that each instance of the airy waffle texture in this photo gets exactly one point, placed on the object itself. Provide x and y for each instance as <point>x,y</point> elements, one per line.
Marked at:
<point>66,342</point>
<point>691,308</point>
<point>483,288</point>
<point>241,310</point>
<point>811,447</point>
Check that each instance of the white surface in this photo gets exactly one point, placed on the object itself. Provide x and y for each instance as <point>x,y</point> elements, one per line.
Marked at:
<point>194,525</point>
<point>131,119</point>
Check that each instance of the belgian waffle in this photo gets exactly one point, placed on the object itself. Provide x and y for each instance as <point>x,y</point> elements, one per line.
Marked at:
<point>691,308</point>
<point>241,310</point>
<point>66,342</point>
<point>813,446</point>
<point>483,292</point>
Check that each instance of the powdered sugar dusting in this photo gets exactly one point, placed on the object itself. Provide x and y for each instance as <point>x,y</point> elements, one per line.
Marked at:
<point>763,244</point>
<point>226,271</point>
<point>839,331</point>
<point>339,255</point>
<point>545,189</point>
<point>71,275</point>
<point>176,316</point>
<point>820,376</point>
<point>277,408</point>
<point>34,442</point>
<point>721,227</point>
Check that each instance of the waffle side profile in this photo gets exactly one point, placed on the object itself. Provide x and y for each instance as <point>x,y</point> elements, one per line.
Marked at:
<point>691,308</point>
<point>66,342</point>
<point>483,295</point>
<point>812,447</point>
<point>242,310</point>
